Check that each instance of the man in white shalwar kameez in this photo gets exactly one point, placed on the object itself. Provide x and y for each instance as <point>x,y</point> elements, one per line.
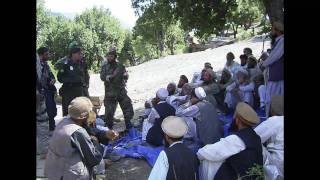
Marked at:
<point>240,91</point>
<point>274,65</point>
<point>271,134</point>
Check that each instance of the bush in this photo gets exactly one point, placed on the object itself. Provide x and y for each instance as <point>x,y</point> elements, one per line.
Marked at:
<point>244,34</point>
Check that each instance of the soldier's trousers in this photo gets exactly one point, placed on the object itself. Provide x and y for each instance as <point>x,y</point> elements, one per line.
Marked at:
<point>68,94</point>
<point>111,102</point>
<point>42,137</point>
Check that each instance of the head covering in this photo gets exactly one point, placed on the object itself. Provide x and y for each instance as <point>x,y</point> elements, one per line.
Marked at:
<point>246,114</point>
<point>212,73</point>
<point>81,108</point>
<point>174,127</point>
<point>162,94</point>
<point>187,88</point>
<point>200,93</point>
<point>112,51</point>
<point>172,84</point>
<point>278,25</point>
<point>73,45</point>
<point>207,65</point>
<point>277,104</point>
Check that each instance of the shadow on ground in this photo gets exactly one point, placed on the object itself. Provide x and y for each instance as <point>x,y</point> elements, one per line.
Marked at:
<point>129,169</point>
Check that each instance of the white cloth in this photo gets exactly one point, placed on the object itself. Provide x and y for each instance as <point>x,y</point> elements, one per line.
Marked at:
<point>262,95</point>
<point>271,132</point>
<point>245,94</point>
<point>162,93</point>
<point>212,156</point>
<point>146,125</point>
<point>200,93</point>
<point>233,68</point>
<point>161,167</point>
<point>175,100</point>
<point>188,112</point>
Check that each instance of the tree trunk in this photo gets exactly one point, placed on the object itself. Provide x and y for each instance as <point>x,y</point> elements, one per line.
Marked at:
<point>274,9</point>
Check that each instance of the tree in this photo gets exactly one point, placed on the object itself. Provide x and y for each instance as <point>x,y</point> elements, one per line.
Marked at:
<point>203,16</point>
<point>127,52</point>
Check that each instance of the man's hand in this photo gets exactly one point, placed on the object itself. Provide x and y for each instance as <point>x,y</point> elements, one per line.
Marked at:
<point>112,135</point>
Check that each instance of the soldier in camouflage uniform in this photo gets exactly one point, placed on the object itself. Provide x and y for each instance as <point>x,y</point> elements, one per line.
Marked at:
<point>73,74</point>
<point>114,76</point>
<point>42,120</point>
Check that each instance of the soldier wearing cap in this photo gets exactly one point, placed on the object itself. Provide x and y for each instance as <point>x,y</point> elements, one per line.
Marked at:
<point>176,161</point>
<point>114,76</point>
<point>232,156</point>
<point>72,151</point>
<point>74,76</point>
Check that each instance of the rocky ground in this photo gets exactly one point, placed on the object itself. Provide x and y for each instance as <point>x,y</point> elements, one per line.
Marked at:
<point>145,79</point>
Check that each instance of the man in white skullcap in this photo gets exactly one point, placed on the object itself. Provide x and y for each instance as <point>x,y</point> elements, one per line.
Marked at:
<point>271,134</point>
<point>72,152</point>
<point>176,161</point>
<point>231,157</point>
<point>160,110</point>
<point>274,65</point>
<point>240,91</point>
<point>202,114</point>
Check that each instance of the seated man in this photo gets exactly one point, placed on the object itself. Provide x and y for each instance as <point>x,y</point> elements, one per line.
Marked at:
<point>271,134</point>
<point>210,86</point>
<point>72,153</point>
<point>161,109</point>
<point>231,65</point>
<point>252,68</point>
<point>182,81</point>
<point>243,60</point>
<point>172,90</point>
<point>209,128</point>
<point>240,90</point>
<point>176,161</point>
<point>197,78</point>
<point>232,156</point>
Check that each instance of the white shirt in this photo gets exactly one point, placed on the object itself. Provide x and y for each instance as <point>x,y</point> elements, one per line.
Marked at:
<point>271,132</point>
<point>213,155</point>
<point>175,100</point>
<point>161,167</point>
<point>233,68</point>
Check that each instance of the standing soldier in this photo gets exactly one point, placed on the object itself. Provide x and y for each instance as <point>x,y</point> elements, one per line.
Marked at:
<point>73,74</point>
<point>114,76</point>
<point>46,85</point>
<point>41,117</point>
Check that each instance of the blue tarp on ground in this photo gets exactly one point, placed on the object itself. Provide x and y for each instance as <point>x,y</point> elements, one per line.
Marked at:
<point>132,145</point>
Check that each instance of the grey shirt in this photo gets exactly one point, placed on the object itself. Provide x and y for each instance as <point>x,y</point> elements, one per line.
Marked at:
<point>90,150</point>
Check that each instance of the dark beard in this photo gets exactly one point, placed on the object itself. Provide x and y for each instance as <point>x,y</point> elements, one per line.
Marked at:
<point>273,40</point>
